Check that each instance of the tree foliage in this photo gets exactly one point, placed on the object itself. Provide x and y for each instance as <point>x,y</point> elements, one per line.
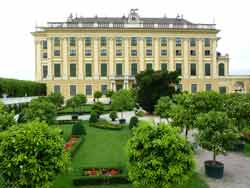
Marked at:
<point>76,101</point>
<point>216,132</point>
<point>57,99</point>
<point>123,100</point>
<point>78,129</point>
<point>159,157</point>
<point>6,118</point>
<point>163,107</point>
<point>151,85</point>
<point>31,155</point>
<point>40,109</point>
<point>97,95</point>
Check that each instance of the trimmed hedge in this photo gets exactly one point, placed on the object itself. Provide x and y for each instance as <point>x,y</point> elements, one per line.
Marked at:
<point>21,88</point>
<point>76,146</point>
<point>103,124</point>
<point>61,122</point>
<point>100,180</point>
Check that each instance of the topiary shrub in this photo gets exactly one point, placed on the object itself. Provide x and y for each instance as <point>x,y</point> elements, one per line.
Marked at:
<point>113,115</point>
<point>133,122</point>
<point>98,107</point>
<point>78,129</point>
<point>93,117</point>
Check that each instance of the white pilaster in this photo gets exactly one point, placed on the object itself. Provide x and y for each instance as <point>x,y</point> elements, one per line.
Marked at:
<point>171,55</point>
<point>65,59</point>
<point>96,54</point>
<point>80,58</point>
<point>141,52</point>
<point>156,54</point>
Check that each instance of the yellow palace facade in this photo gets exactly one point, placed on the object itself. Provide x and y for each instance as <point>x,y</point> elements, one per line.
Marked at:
<point>84,55</point>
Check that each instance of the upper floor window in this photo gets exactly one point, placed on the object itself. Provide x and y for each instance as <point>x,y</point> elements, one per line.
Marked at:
<point>133,69</point>
<point>104,69</point>
<point>57,53</point>
<point>56,41</point>
<point>193,69</point>
<point>103,52</point>
<point>178,42</point>
<point>45,55</point>
<point>148,52</point>
<point>133,41</point>
<point>118,52</point>
<point>87,41</point>
<point>57,70</point>
<point>45,71</point>
<point>133,52</point>
<point>45,44</point>
<point>164,53</point>
<point>149,66</point>
<point>118,69</point>
<point>163,41</point>
<point>103,41</point>
<point>118,41</point>
<point>207,53</point>
<point>207,69</point>
<point>88,52</point>
<point>88,70</point>
<point>221,69</point>
<point>192,42</point>
<point>72,41</point>
<point>207,42</point>
<point>72,68</point>
<point>178,53</point>
<point>148,41</point>
<point>72,52</point>
<point>192,52</point>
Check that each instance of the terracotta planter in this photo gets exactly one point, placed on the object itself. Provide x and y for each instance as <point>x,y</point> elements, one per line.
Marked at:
<point>214,169</point>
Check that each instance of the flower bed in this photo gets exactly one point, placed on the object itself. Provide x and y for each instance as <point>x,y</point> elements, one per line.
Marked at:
<point>73,145</point>
<point>101,172</point>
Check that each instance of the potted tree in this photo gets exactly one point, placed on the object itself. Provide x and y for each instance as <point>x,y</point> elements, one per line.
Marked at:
<point>76,102</point>
<point>109,95</point>
<point>113,115</point>
<point>121,101</point>
<point>216,134</point>
<point>97,95</point>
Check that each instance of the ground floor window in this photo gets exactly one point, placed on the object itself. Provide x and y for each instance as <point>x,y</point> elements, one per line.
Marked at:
<point>222,89</point>
<point>88,89</point>
<point>72,90</point>
<point>104,89</point>
<point>119,87</point>
<point>57,89</point>
<point>208,87</point>
<point>194,88</point>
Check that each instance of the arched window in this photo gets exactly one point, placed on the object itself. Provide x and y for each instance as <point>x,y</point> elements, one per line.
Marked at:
<point>221,69</point>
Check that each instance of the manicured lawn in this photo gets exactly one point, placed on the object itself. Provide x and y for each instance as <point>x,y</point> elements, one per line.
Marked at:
<point>107,148</point>
<point>67,129</point>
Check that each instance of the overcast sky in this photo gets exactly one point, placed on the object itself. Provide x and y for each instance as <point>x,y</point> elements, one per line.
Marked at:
<point>18,18</point>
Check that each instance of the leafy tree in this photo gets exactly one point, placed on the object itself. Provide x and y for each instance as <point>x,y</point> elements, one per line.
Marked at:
<point>109,93</point>
<point>159,157</point>
<point>151,85</point>
<point>133,122</point>
<point>57,99</point>
<point>163,107</point>
<point>113,115</point>
<point>98,95</point>
<point>31,155</point>
<point>123,100</point>
<point>6,118</point>
<point>41,109</point>
<point>182,112</point>
<point>216,132</point>
<point>78,129</point>
<point>76,101</point>
<point>237,107</point>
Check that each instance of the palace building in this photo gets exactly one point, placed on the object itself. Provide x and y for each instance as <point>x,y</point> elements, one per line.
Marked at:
<point>83,55</point>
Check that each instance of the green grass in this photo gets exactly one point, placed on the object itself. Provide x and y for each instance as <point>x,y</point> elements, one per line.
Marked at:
<point>84,109</point>
<point>107,148</point>
<point>67,129</point>
<point>247,150</point>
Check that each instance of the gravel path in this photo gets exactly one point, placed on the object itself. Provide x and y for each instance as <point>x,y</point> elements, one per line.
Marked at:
<point>236,170</point>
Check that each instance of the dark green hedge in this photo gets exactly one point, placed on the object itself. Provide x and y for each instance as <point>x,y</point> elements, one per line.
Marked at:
<point>103,124</point>
<point>100,180</point>
<point>76,146</point>
<point>21,88</point>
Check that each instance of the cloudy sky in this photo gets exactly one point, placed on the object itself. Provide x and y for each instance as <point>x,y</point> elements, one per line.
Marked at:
<point>18,18</point>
